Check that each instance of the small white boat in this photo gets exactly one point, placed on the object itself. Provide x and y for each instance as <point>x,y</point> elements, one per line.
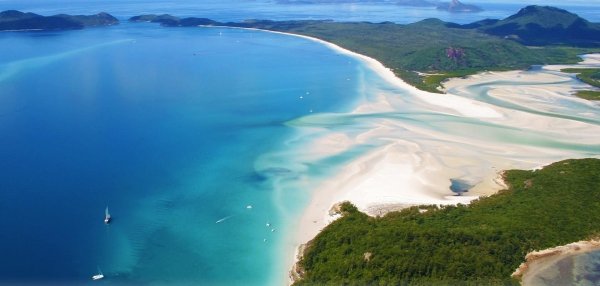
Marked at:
<point>107,217</point>
<point>98,276</point>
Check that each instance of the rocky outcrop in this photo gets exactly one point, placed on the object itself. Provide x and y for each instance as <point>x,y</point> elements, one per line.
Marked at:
<point>297,272</point>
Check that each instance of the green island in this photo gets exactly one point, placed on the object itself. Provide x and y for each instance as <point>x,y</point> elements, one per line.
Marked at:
<point>589,76</point>
<point>477,244</point>
<point>418,53</point>
<point>426,53</point>
<point>13,20</point>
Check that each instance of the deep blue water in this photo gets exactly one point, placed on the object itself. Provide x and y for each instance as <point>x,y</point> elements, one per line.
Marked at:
<point>174,130</point>
<point>165,126</point>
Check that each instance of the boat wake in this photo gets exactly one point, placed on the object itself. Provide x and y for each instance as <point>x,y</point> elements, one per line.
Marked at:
<point>224,219</point>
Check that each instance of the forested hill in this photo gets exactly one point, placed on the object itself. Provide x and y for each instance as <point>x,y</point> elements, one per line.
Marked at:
<point>16,20</point>
<point>537,25</point>
<point>423,53</point>
<point>479,244</point>
<point>435,47</point>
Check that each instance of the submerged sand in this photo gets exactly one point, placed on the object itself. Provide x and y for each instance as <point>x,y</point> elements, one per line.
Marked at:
<point>557,264</point>
<point>414,143</point>
<point>464,137</point>
<point>416,163</point>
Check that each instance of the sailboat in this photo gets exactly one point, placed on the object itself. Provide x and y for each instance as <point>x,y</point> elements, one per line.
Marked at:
<point>107,217</point>
<point>99,275</point>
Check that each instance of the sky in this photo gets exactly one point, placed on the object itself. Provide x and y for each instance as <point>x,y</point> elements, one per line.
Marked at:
<point>544,2</point>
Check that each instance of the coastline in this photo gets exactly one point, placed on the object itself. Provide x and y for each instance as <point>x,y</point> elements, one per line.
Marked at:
<point>405,164</point>
<point>405,171</point>
<point>536,262</point>
<point>318,214</point>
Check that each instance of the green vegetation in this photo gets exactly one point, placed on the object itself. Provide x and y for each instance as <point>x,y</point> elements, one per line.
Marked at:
<point>478,244</point>
<point>423,48</point>
<point>16,20</point>
<point>431,82</point>
<point>542,25</point>
<point>589,76</point>
<point>444,49</point>
<point>589,94</point>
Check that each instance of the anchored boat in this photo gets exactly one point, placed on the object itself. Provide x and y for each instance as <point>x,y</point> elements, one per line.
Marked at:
<point>99,275</point>
<point>107,217</point>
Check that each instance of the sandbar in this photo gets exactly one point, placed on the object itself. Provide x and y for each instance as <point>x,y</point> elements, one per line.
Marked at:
<point>417,141</point>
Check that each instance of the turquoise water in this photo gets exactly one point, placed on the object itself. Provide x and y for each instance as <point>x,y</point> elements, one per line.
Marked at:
<point>178,129</point>
<point>166,127</point>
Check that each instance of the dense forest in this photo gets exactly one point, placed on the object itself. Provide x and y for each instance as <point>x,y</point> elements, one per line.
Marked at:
<point>478,244</point>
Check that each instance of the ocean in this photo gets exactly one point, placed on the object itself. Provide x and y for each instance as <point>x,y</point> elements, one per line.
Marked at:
<point>165,126</point>
<point>183,133</point>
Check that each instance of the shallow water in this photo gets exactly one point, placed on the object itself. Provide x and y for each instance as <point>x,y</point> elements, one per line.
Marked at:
<point>179,131</point>
<point>582,269</point>
<point>165,126</point>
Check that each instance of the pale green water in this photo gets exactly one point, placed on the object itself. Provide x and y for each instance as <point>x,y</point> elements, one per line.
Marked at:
<point>177,129</point>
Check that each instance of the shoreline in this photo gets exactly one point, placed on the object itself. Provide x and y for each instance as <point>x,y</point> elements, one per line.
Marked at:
<point>406,171</point>
<point>536,262</point>
<point>385,170</point>
<point>311,226</point>
<point>316,214</point>
<point>322,201</point>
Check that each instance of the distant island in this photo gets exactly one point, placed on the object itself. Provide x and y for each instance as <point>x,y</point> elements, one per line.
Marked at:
<point>13,20</point>
<point>172,21</point>
<point>413,3</point>
<point>426,53</point>
<point>479,244</point>
<point>458,7</point>
<point>454,7</point>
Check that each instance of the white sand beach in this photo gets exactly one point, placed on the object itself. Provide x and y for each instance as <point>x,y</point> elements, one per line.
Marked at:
<point>419,141</point>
